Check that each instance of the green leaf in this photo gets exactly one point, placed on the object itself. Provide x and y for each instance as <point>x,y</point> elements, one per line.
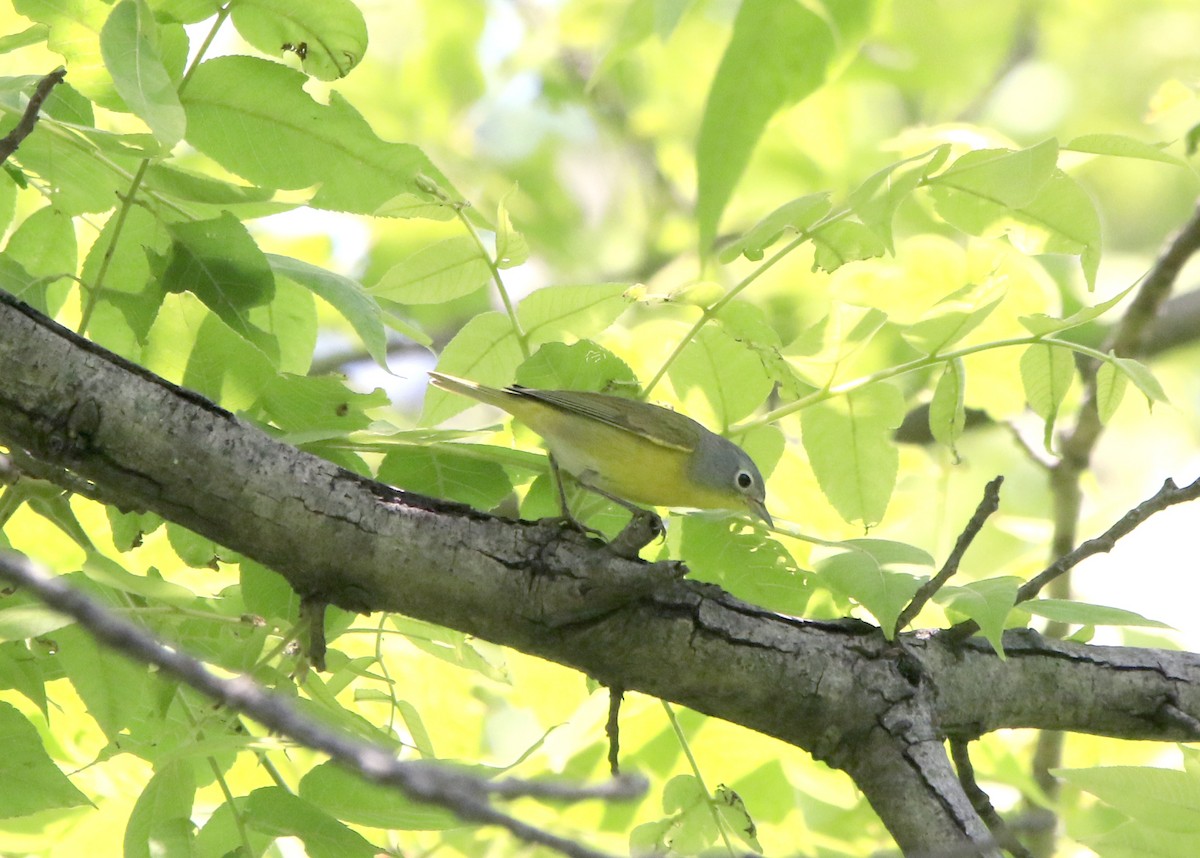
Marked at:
<point>324,404</point>
<point>278,813</point>
<point>29,779</point>
<point>728,372</point>
<point>1083,613</point>
<point>954,317</point>
<point>132,295</point>
<point>1110,390</point>
<point>485,350</point>
<point>733,813</point>
<point>511,247</point>
<point>114,688</point>
<point>109,573</point>
<point>947,416</point>
<point>844,241</point>
<point>32,35</point>
<point>255,119</point>
<point>987,602</point>
<point>45,248</point>
<point>1046,374</point>
<point>849,445</point>
<point>759,570</point>
<point>794,216</point>
<point>435,274</point>
<point>161,823</point>
<point>865,578</point>
<point>1163,799</point>
<point>1024,196</point>
<point>347,797</point>
<point>330,36</point>
<point>1141,376</point>
<point>554,312</point>
<point>443,472</point>
<point>889,552</point>
<point>1039,324</point>
<point>693,828</point>
<point>876,200</point>
<point>129,44</point>
<point>761,71</point>
<point>641,19</point>
<point>70,170</point>
<point>990,178</point>
<point>456,648</point>
<point>74,30</point>
<point>1121,146</point>
<point>579,366</point>
<point>21,622</point>
<point>219,262</point>
<point>175,181</point>
<point>345,295</point>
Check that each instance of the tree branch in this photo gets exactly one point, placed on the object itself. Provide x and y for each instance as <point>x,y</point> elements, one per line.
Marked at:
<point>29,118</point>
<point>826,687</point>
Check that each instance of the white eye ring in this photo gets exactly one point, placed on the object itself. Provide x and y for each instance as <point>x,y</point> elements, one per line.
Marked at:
<point>744,480</point>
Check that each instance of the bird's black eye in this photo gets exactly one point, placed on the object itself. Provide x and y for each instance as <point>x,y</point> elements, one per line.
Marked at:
<point>744,480</point>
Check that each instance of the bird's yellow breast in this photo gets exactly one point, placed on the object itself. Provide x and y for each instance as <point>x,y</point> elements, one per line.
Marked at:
<point>617,461</point>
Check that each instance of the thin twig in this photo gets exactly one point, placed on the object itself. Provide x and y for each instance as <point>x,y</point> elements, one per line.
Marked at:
<point>1168,495</point>
<point>981,802</point>
<point>987,506</point>
<point>463,794</point>
<point>29,118</point>
<point>612,729</point>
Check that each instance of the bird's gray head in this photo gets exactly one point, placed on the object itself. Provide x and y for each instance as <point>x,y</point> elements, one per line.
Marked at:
<point>724,468</point>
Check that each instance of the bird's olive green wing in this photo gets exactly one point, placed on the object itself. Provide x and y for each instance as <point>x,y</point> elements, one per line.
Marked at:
<point>660,425</point>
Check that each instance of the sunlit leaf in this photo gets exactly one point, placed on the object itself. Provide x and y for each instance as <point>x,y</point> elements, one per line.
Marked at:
<point>1121,146</point>
<point>442,472</point>
<point>849,444</point>
<point>276,135</point>
<point>555,312</point>
<point>1040,324</point>
<point>161,821</point>
<point>947,416</point>
<point>794,217</point>
<point>729,374</point>
<point>31,781</point>
<point>485,350</point>
<point>1046,374</point>
<point>330,37</point>
<point>761,72</point>
<point>1082,613</point>
<point>435,274</point>
<point>129,43</point>
<point>987,602</point>
<point>580,366</point>
<point>1110,390</point>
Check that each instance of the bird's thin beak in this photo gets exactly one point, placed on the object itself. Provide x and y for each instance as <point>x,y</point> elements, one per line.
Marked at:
<point>760,510</point>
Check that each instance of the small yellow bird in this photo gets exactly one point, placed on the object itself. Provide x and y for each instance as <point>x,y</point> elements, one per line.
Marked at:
<point>630,451</point>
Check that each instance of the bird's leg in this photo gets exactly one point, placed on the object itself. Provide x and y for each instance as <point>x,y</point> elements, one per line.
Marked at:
<point>564,506</point>
<point>644,527</point>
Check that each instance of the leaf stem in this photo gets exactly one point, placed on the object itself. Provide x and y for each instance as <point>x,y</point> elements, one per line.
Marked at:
<point>522,336</point>
<point>691,758</point>
<point>96,289</point>
<point>715,308</point>
<point>833,390</point>
<point>222,14</point>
